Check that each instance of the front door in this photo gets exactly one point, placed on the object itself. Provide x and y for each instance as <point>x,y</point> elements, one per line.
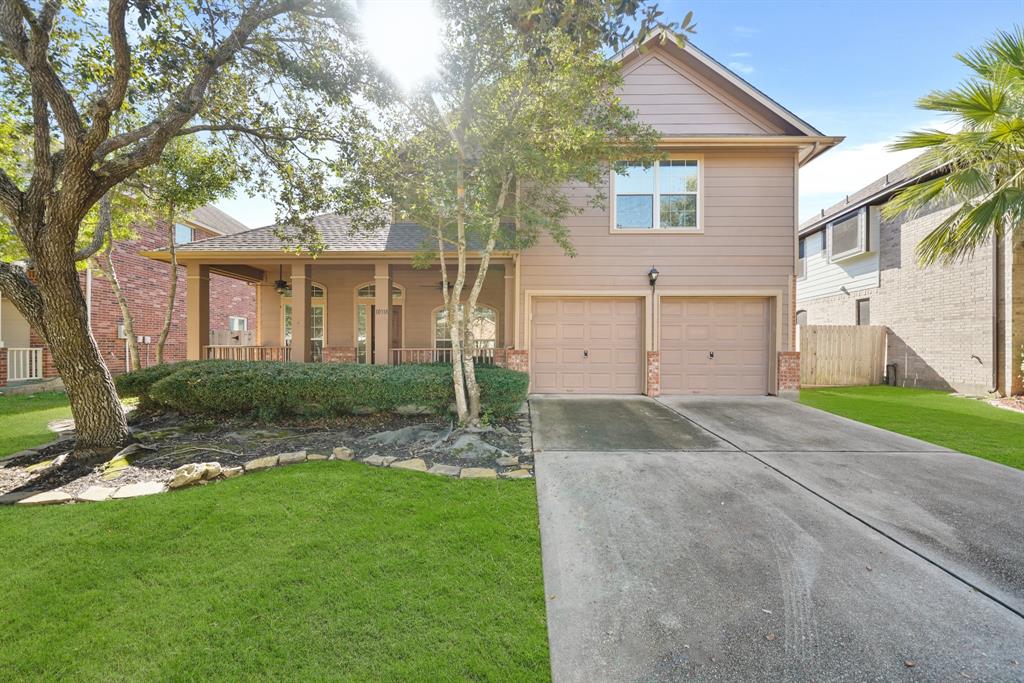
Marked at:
<point>366,331</point>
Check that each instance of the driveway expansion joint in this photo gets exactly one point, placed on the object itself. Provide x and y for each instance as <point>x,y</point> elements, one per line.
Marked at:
<point>752,454</point>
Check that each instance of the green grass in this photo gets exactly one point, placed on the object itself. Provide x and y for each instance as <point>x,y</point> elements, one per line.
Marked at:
<point>23,419</point>
<point>328,570</point>
<point>962,424</point>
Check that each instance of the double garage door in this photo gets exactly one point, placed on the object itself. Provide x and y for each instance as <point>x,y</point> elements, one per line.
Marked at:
<point>596,345</point>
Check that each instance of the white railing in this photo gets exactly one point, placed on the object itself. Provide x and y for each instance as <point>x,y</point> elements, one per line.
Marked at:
<point>484,355</point>
<point>24,364</point>
<point>250,353</point>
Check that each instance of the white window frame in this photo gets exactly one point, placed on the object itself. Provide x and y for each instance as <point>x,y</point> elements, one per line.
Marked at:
<point>315,302</point>
<point>233,318</point>
<point>657,229</point>
<point>862,247</point>
<point>192,233</point>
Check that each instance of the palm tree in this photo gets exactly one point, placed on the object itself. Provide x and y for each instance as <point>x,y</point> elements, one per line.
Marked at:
<point>983,161</point>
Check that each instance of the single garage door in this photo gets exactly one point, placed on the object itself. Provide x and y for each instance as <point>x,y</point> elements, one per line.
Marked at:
<point>587,346</point>
<point>714,346</point>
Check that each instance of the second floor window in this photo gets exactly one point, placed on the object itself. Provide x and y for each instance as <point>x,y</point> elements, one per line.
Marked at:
<point>183,234</point>
<point>662,196</point>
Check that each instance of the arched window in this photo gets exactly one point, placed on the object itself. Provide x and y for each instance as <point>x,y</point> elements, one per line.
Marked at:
<point>365,299</point>
<point>317,318</point>
<point>368,290</point>
<point>484,326</point>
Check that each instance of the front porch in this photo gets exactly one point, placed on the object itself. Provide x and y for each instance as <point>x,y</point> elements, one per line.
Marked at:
<point>351,311</point>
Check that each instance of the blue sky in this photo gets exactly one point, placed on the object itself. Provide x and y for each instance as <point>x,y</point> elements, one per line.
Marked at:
<point>848,68</point>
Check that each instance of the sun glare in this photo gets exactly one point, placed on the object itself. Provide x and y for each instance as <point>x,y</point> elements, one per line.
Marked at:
<point>404,37</point>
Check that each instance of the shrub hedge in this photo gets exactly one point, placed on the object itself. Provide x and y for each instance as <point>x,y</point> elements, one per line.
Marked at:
<point>276,390</point>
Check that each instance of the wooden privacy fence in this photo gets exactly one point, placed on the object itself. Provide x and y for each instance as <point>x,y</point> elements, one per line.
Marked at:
<point>841,355</point>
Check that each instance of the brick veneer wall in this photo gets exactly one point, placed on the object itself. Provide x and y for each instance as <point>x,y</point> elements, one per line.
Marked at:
<point>339,354</point>
<point>654,373</point>
<point>939,317</point>
<point>518,359</point>
<point>3,367</point>
<point>789,374</point>
<point>145,284</point>
<point>500,358</point>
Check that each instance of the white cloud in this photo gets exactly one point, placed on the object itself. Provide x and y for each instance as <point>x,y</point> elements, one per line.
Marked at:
<point>741,67</point>
<point>743,31</point>
<point>846,169</point>
<point>741,55</point>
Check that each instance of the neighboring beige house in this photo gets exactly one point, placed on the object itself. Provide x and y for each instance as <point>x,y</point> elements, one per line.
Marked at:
<point>956,327</point>
<point>716,220</point>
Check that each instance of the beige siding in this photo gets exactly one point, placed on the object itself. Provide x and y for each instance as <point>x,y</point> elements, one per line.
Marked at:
<point>747,244</point>
<point>15,331</point>
<point>678,105</point>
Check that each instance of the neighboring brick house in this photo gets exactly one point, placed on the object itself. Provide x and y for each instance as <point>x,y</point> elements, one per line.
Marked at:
<point>957,327</point>
<point>713,226</point>
<point>145,285</point>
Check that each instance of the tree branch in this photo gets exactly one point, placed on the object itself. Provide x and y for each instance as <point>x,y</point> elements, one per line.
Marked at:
<point>111,100</point>
<point>103,226</point>
<point>187,104</point>
<point>15,285</point>
<point>10,196</point>
<point>32,56</point>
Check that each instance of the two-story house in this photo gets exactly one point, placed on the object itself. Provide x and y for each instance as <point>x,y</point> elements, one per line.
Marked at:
<point>684,283</point>
<point>956,326</point>
<point>24,356</point>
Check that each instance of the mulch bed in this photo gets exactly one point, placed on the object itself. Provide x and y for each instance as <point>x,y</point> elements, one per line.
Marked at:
<point>173,440</point>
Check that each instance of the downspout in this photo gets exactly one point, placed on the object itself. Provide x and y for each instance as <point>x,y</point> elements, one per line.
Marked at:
<point>995,314</point>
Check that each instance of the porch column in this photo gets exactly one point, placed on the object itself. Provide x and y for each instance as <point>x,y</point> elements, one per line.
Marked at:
<point>197,314</point>
<point>509,314</point>
<point>382,315</point>
<point>302,349</point>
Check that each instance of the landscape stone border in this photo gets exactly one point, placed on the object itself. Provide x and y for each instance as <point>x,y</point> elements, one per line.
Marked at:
<point>201,473</point>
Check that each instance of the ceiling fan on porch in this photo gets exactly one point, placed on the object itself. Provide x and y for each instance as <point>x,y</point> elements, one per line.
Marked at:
<point>280,285</point>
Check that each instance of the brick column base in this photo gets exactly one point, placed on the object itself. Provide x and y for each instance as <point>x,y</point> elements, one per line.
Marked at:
<point>654,373</point>
<point>3,367</point>
<point>500,358</point>
<point>339,354</point>
<point>789,375</point>
<point>518,359</point>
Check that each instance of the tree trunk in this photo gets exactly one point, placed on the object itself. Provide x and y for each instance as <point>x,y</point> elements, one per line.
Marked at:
<point>100,422</point>
<point>106,266</point>
<point>172,292</point>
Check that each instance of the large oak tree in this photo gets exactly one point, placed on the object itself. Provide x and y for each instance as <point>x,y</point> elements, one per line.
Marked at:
<point>93,94</point>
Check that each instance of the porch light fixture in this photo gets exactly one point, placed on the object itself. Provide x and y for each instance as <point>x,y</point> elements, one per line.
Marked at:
<point>280,286</point>
<point>652,276</point>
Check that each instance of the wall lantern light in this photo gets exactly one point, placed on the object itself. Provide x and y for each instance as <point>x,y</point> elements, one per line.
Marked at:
<point>652,276</point>
<point>280,285</point>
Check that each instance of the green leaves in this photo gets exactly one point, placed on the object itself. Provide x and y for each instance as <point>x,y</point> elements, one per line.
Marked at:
<point>983,159</point>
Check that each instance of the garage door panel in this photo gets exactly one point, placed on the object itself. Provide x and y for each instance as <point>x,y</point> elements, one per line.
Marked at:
<point>609,329</point>
<point>735,329</point>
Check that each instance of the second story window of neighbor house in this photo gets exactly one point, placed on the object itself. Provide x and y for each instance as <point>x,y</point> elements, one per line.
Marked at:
<point>662,196</point>
<point>183,234</point>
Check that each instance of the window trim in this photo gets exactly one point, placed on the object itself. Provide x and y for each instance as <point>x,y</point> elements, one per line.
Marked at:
<point>698,230</point>
<point>863,240</point>
<point>286,300</point>
<point>433,324</point>
<point>243,318</point>
<point>856,309</point>
<point>357,301</point>
<point>190,228</point>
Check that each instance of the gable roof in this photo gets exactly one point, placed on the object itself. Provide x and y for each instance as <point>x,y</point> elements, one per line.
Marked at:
<point>211,218</point>
<point>695,58</point>
<point>875,192</point>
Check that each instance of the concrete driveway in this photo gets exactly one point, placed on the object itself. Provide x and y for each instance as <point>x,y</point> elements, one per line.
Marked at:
<point>758,539</point>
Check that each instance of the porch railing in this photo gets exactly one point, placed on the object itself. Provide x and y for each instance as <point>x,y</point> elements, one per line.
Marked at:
<point>251,353</point>
<point>24,364</point>
<point>484,355</point>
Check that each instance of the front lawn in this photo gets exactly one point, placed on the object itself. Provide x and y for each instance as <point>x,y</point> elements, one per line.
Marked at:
<point>963,424</point>
<point>23,419</point>
<point>323,571</point>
